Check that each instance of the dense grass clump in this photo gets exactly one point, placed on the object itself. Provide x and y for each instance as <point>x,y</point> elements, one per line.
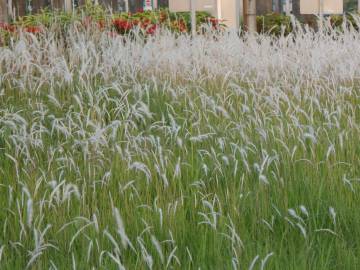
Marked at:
<point>212,152</point>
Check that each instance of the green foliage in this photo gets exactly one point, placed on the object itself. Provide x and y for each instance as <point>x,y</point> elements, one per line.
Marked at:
<point>178,22</point>
<point>275,24</point>
<point>350,5</point>
<point>180,153</point>
<point>348,21</point>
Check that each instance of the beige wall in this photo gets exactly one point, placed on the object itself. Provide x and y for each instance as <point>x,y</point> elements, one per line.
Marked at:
<point>230,12</point>
<point>227,10</point>
<point>313,6</point>
<point>201,5</point>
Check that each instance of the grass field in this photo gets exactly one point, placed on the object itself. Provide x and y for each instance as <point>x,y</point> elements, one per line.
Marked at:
<point>216,152</point>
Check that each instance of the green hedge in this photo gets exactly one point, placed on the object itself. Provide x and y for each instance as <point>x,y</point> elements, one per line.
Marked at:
<point>277,24</point>
<point>274,24</point>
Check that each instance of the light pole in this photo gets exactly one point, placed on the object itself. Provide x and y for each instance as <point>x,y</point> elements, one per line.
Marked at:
<point>127,6</point>
<point>287,8</point>
<point>245,14</point>
<point>193,16</point>
<point>321,9</point>
<point>218,9</point>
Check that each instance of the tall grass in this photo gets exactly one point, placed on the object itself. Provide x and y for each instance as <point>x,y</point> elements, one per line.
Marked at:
<point>212,152</point>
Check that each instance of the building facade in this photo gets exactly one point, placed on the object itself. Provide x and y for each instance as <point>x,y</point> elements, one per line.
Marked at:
<point>23,7</point>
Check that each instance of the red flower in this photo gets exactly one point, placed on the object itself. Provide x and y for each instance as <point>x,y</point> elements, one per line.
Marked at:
<point>123,25</point>
<point>7,27</point>
<point>151,30</point>
<point>101,24</point>
<point>182,26</point>
<point>215,23</point>
<point>145,23</point>
<point>135,22</point>
<point>33,29</point>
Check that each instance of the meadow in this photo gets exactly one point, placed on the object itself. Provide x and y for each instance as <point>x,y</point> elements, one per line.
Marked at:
<point>217,151</point>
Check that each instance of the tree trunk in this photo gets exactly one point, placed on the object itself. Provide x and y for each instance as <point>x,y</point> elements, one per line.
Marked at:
<point>249,7</point>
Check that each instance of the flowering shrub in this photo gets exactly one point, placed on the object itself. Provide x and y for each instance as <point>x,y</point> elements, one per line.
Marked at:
<point>150,21</point>
<point>33,29</point>
<point>93,15</point>
<point>7,27</point>
<point>8,30</point>
<point>90,16</point>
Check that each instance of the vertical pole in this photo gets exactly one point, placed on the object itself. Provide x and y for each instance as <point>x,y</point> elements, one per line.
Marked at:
<point>358,6</point>
<point>3,11</point>
<point>11,10</point>
<point>245,14</point>
<point>321,9</point>
<point>218,9</point>
<point>193,17</point>
<point>68,5</point>
<point>238,13</point>
<point>252,27</point>
<point>287,8</point>
<point>127,6</point>
<point>29,6</point>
